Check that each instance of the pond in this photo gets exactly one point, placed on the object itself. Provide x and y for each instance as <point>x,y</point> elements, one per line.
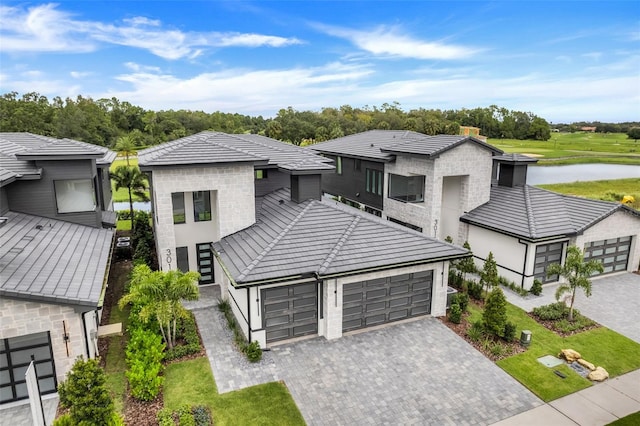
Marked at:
<point>538,175</point>
<point>137,205</point>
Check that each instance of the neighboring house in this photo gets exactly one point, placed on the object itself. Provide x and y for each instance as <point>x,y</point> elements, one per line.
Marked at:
<point>590,129</point>
<point>290,263</point>
<point>461,187</point>
<point>56,239</point>
<point>473,132</point>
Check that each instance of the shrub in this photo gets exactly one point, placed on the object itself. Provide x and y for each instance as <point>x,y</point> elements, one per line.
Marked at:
<point>497,349</point>
<point>455,313</point>
<point>224,306</point>
<point>475,290</point>
<point>536,288</point>
<point>489,275</point>
<point>253,351</point>
<point>201,415</point>
<point>509,331</point>
<point>64,420</point>
<point>495,312</point>
<point>186,416</point>
<point>85,395</point>
<point>476,331</point>
<point>553,311</point>
<point>461,299</point>
<point>165,417</point>
<point>455,279</point>
<point>187,330</point>
<point>144,356</point>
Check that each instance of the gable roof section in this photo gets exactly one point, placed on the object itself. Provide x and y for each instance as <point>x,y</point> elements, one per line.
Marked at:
<point>534,213</point>
<point>385,144</point>
<point>321,238</point>
<point>216,147</point>
<point>48,260</point>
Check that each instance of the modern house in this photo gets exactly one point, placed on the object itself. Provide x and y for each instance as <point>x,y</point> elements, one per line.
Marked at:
<point>56,236</point>
<point>247,212</point>
<point>466,189</point>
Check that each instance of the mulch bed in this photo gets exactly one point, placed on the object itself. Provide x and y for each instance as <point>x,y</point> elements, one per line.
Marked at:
<point>141,413</point>
<point>551,325</point>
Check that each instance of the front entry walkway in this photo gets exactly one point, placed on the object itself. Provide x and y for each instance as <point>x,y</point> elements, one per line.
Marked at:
<point>419,372</point>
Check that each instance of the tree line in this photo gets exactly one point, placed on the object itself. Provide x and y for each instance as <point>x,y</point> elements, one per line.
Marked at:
<point>104,121</point>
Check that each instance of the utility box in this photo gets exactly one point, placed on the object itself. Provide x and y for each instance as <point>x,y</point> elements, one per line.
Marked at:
<point>450,293</point>
<point>525,338</point>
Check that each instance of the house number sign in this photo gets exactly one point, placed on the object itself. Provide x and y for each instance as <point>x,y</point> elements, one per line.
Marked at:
<point>168,257</point>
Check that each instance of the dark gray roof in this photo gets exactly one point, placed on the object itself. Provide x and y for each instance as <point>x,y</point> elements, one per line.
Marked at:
<point>515,158</point>
<point>385,144</point>
<point>18,150</point>
<point>216,147</point>
<point>6,176</point>
<point>321,238</point>
<point>535,213</point>
<point>53,261</point>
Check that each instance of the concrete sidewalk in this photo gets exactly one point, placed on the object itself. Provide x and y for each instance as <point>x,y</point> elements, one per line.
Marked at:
<point>598,405</point>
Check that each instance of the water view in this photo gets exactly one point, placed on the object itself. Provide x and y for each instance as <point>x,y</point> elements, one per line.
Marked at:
<point>539,175</point>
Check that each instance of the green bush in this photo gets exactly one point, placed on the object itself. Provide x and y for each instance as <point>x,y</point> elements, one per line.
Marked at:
<point>455,313</point>
<point>253,351</point>
<point>144,356</point>
<point>64,420</point>
<point>475,290</point>
<point>495,312</point>
<point>461,299</point>
<point>224,306</point>
<point>536,288</point>
<point>186,416</point>
<point>85,395</point>
<point>509,331</point>
<point>551,312</point>
<point>187,330</point>
<point>455,279</point>
<point>201,415</point>
<point>497,349</point>
<point>165,417</point>
<point>476,331</point>
<point>579,322</point>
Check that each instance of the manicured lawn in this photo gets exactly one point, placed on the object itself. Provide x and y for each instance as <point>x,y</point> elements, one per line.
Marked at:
<point>601,346</point>
<point>579,147</point>
<point>121,161</point>
<point>630,420</point>
<point>191,382</point>
<point>600,189</point>
<point>123,225</point>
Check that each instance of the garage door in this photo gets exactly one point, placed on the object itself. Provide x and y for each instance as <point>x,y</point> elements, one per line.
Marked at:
<point>374,302</point>
<point>613,253</point>
<point>547,254</point>
<point>290,311</point>
<point>15,357</point>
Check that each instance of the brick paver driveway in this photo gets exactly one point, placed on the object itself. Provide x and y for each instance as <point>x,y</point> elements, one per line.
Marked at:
<point>418,372</point>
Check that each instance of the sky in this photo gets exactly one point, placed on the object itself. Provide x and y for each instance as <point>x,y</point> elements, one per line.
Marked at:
<point>564,61</point>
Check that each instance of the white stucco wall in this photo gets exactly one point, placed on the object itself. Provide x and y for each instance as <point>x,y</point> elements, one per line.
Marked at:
<point>18,318</point>
<point>232,203</point>
<point>507,251</point>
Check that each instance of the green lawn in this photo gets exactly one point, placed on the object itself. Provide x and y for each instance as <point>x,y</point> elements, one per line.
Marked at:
<point>191,382</point>
<point>630,420</point>
<point>121,161</point>
<point>579,147</point>
<point>607,190</point>
<point>603,347</point>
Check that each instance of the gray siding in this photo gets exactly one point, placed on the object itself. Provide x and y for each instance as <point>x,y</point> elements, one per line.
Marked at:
<point>37,197</point>
<point>352,183</point>
<point>305,187</point>
<point>4,202</point>
<point>275,180</point>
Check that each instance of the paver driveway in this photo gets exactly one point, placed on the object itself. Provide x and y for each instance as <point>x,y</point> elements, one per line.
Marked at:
<point>413,373</point>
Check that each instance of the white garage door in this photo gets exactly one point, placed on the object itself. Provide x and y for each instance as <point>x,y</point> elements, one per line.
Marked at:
<point>613,253</point>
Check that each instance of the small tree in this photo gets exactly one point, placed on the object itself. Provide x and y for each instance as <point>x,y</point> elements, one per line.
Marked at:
<point>466,265</point>
<point>634,133</point>
<point>85,395</point>
<point>576,272</point>
<point>494,315</point>
<point>126,146</point>
<point>489,275</point>
<point>160,294</point>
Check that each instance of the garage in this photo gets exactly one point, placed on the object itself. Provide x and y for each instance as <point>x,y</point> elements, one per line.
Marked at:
<point>546,255</point>
<point>613,253</point>
<point>15,357</point>
<point>290,311</point>
<point>384,300</point>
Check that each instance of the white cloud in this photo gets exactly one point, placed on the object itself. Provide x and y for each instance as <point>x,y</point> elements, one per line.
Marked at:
<point>592,55</point>
<point>388,41</point>
<point>80,74</point>
<point>45,28</point>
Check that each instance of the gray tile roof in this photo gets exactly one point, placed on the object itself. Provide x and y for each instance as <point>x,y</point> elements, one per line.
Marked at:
<point>535,213</point>
<point>215,147</point>
<point>6,176</point>
<point>515,158</point>
<point>384,144</point>
<point>49,260</point>
<point>321,238</point>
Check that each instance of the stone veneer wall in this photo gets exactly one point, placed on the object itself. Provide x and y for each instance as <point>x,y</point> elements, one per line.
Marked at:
<point>18,318</point>
<point>233,211</point>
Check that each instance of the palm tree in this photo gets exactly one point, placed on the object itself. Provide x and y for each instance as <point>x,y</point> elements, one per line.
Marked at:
<point>134,180</point>
<point>160,293</point>
<point>576,272</point>
<point>125,146</point>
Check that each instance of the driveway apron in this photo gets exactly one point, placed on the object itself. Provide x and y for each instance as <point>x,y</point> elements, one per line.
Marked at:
<point>417,372</point>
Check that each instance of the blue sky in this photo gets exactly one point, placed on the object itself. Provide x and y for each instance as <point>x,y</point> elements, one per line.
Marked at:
<point>564,61</point>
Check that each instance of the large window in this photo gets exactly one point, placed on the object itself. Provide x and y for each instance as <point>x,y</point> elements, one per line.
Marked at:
<point>75,195</point>
<point>374,181</point>
<point>182,258</point>
<point>201,206</point>
<point>406,188</point>
<point>339,165</point>
<point>177,200</point>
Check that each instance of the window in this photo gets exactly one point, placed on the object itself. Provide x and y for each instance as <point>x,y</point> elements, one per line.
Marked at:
<point>77,195</point>
<point>406,188</point>
<point>177,199</point>
<point>182,258</point>
<point>261,174</point>
<point>339,165</point>
<point>205,263</point>
<point>374,181</point>
<point>408,225</point>
<point>357,164</point>
<point>201,206</point>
